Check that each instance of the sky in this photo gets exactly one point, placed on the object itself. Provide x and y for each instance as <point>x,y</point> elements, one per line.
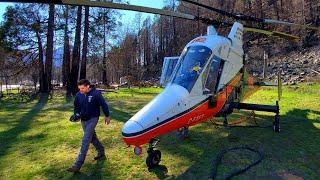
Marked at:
<point>127,16</point>
<point>3,8</point>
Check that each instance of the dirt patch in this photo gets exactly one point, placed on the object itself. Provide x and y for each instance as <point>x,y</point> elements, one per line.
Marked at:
<point>289,176</point>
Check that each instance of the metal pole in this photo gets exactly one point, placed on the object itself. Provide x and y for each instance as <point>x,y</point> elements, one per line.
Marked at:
<point>265,56</point>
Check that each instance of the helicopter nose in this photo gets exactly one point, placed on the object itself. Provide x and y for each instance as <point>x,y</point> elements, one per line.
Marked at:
<point>131,127</point>
<point>140,128</point>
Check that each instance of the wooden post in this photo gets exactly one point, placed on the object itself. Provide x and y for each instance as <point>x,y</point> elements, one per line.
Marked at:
<point>265,57</point>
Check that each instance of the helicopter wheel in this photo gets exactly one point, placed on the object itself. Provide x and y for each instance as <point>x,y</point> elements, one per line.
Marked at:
<point>153,159</point>
<point>276,123</point>
<point>183,133</point>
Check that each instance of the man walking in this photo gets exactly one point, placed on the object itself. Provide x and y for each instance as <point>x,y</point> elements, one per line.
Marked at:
<point>87,105</point>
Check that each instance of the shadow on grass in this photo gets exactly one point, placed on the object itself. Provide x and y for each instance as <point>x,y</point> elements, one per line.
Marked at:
<point>160,170</point>
<point>293,142</point>
<point>10,137</point>
<point>99,171</point>
<point>119,115</point>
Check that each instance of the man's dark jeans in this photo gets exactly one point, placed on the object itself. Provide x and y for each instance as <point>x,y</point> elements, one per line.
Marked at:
<point>89,136</point>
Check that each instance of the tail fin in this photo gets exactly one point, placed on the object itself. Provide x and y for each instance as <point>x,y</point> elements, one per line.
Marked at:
<point>236,34</point>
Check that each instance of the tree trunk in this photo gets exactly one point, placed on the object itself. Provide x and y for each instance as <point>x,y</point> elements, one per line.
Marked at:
<point>41,65</point>
<point>161,43</point>
<point>83,72</point>
<point>66,55</point>
<point>49,52</point>
<point>76,54</point>
<point>104,60</point>
<point>6,80</point>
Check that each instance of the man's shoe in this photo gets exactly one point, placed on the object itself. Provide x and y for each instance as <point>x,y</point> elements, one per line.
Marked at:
<point>73,169</point>
<point>100,157</point>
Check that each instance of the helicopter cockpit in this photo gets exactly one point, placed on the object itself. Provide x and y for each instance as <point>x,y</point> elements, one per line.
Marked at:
<point>190,66</point>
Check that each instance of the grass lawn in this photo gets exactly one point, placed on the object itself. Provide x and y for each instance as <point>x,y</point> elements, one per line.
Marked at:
<point>37,141</point>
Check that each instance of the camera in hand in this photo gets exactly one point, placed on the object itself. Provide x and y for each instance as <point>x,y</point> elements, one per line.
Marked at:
<point>75,117</point>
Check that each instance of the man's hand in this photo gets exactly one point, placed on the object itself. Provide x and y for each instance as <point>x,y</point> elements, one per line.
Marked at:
<point>107,120</point>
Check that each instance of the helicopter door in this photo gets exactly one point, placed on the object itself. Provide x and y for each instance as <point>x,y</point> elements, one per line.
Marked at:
<point>214,75</point>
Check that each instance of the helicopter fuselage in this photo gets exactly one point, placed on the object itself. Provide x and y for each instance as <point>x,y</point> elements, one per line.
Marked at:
<point>205,77</point>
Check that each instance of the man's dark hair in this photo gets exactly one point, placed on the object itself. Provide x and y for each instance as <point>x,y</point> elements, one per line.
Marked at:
<point>84,82</point>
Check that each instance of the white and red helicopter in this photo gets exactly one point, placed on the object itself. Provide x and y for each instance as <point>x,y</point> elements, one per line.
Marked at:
<point>208,65</point>
<point>208,80</point>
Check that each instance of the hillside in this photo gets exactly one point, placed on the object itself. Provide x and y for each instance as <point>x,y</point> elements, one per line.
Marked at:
<point>297,66</point>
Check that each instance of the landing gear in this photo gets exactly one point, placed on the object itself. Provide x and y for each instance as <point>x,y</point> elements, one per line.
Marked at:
<point>266,108</point>
<point>183,133</point>
<point>276,123</point>
<point>154,156</point>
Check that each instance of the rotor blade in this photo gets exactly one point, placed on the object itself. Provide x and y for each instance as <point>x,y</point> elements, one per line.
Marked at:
<point>104,4</point>
<point>111,5</point>
<point>272,21</point>
<point>128,7</point>
<point>272,33</point>
<point>225,13</point>
<point>161,12</point>
<point>251,18</point>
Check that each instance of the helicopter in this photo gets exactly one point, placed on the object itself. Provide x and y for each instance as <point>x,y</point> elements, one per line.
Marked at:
<point>205,81</point>
<point>208,80</point>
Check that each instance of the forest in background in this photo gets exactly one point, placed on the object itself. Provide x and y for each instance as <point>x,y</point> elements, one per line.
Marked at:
<point>49,44</point>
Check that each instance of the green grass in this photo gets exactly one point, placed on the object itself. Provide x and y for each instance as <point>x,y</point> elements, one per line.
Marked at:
<point>38,142</point>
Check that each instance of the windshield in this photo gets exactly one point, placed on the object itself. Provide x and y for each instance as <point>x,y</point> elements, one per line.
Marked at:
<point>191,65</point>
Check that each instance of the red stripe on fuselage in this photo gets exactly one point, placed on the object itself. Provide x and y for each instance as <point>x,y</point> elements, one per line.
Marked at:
<point>197,115</point>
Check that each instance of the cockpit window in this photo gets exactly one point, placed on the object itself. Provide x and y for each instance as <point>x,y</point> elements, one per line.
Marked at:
<point>168,67</point>
<point>190,66</point>
<point>214,74</point>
